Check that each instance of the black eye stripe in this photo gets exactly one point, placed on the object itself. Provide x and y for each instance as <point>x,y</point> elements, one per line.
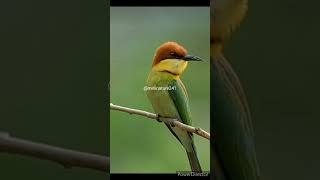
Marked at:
<point>173,55</point>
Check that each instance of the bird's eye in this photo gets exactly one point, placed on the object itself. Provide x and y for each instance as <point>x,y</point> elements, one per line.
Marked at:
<point>173,54</point>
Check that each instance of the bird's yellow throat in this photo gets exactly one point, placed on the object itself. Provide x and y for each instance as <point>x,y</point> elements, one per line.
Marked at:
<point>173,66</point>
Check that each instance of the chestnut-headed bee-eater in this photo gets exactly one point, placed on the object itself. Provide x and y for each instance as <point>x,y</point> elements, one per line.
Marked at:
<point>171,99</point>
<point>233,147</point>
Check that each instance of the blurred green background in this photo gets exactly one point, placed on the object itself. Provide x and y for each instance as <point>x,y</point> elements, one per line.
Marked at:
<point>53,75</point>
<point>276,54</point>
<point>140,145</point>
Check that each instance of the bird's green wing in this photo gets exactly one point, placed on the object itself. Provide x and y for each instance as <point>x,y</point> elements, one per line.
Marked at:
<point>180,98</point>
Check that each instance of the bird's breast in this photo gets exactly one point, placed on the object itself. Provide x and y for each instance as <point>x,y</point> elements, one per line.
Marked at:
<point>159,97</point>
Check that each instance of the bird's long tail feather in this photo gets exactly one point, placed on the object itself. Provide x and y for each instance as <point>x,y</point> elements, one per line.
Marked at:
<point>194,161</point>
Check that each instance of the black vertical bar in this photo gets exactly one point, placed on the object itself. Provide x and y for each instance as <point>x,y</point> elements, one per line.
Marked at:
<point>160,2</point>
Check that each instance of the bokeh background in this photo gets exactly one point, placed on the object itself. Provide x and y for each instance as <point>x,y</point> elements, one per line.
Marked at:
<point>140,145</point>
<point>53,83</point>
<point>276,54</point>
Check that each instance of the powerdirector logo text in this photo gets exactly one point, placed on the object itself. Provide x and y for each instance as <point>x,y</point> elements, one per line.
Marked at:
<point>159,88</point>
<point>189,173</point>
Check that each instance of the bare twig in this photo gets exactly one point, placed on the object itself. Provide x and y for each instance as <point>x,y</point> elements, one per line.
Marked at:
<point>170,121</point>
<point>67,158</point>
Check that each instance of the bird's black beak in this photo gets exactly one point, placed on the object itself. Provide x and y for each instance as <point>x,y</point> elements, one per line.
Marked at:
<point>191,58</point>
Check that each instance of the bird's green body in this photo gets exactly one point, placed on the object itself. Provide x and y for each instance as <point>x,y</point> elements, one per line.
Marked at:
<point>173,103</point>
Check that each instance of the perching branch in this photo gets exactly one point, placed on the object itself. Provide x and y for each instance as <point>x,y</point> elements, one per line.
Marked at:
<point>170,121</point>
<point>67,158</point>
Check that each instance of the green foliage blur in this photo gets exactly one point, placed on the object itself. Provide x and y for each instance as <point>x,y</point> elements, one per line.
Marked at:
<point>138,144</point>
<point>53,84</point>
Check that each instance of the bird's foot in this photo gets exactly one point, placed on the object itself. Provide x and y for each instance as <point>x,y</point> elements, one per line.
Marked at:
<point>158,118</point>
<point>172,123</point>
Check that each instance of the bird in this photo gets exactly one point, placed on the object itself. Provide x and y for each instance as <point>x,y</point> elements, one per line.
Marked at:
<point>233,147</point>
<point>169,63</point>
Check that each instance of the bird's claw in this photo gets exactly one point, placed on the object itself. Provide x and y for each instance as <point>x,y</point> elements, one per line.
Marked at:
<point>172,124</point>
<point>158,118</point>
